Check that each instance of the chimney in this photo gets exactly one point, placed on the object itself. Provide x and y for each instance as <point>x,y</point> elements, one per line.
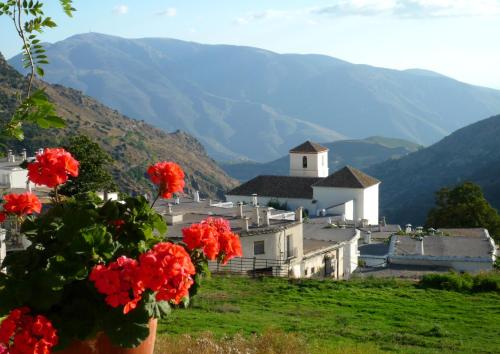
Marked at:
<point>10,156</point>
<point>408,229</point>
<point>25,155</point>
<point>240,210</point>
<point>196,196</point>
<point>267,216</point>
<point>257,216</point>
<point>245,224</point>
<point>367,237</point>
<point>419,246</point>
<point>419,230</point>
<point>255,201</point>
<point>298,214</point>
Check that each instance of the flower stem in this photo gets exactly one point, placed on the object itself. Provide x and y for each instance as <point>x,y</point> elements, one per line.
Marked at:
<point>154,201</point>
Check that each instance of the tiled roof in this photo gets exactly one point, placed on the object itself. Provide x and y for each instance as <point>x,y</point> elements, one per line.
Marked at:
<point>348,177</point>
<point>278,187</point>
<point>309,147</point>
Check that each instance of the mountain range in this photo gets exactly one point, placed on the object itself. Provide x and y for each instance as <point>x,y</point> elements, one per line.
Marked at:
<point>409,184</point>
<point>133,144</point>
<point>357,153</point>
<point>244,102</point>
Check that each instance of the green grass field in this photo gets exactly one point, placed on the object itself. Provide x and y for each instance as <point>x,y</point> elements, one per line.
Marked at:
<point>355,316</point>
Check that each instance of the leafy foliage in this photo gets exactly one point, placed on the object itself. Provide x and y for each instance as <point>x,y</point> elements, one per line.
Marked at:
<point>462,282</point>
<point>51,275</point>
<point>30,20</point>
<point>94,175</point>
<point>464,206</point>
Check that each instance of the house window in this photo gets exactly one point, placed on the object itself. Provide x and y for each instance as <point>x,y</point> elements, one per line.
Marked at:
<point>312,270</point>
<point>304,162</point>
<point>289,250</point>
<point>305,271</point>
<point>258,247</point>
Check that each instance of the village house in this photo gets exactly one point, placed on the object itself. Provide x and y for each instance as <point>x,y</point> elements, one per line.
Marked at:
<point>274,242</point>
<point>348,194</point>
<point>463,250</point>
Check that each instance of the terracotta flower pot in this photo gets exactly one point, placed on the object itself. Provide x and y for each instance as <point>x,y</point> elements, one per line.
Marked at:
<point>102,345</point>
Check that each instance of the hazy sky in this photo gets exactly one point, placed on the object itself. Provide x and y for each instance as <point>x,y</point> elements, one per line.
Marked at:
<point>458,38</point>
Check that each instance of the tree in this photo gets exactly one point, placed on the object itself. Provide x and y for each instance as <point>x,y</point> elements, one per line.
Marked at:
<point>464,206</point>
<point>34,107</point>
<point>93,176</point>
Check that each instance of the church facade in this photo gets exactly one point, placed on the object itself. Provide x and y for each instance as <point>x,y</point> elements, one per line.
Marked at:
<point>348,194</point>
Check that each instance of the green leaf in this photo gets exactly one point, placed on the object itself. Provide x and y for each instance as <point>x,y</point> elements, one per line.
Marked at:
<point>155,309</point>
<point>40,71</point>
<point>51,122</point>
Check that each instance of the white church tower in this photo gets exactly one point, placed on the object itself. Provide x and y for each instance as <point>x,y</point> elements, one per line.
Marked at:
<point>309,160</point>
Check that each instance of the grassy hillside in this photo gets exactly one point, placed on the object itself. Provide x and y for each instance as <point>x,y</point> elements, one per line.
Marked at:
<point>133,144</point>
<point>359,316</point>
<point>357,153</point>
<point>253,103</point>
<point>409,184</point>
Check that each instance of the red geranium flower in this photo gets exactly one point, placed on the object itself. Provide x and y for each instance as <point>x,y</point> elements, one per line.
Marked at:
<point>22,204</point>
<point>3,216</point>
<point>119,281</point>
<point>169,176</point>
<point>214,237</point>
<point>52,168</point>
<point>230,246</point>
<point>21,333</point>
<point>167,270</point>
<point>202,236</point>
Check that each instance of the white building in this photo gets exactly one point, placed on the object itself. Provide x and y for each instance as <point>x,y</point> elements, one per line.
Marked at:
<point>309,160</point>
<point>12,176</point>
<point>348,194</point>
<point>463,250</point>
<point>274,242</point>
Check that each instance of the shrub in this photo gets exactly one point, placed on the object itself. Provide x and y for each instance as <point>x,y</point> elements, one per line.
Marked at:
<point>462,282</point>
<point>275,203</point>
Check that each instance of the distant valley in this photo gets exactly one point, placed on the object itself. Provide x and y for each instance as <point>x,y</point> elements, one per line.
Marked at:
<point>243,102</point>
<point>357,153</point>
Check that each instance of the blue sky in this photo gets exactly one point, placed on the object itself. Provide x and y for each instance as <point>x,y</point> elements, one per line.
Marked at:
<point>458,38</point>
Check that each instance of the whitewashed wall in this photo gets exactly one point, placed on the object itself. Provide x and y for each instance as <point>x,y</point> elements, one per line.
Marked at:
<point>293,203</point>
<point>371,205</point>
<point>274,243</point>
<point>317,165</point>
<point>328,196</point>
<point>14,178</point>
<point>365,201</point>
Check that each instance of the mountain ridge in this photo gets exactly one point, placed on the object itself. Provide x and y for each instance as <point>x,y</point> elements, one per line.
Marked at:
<point>359,153</point>
<point>245,102</point>
<point>132,143</point>
<point>409,184</point>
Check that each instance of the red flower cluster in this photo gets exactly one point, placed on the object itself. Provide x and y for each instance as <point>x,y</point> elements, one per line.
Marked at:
<point>21,333</point>
<point>214,237</point>
<point>21,204</point>
<point>169,176</point>
<point>52,168</point>
<point>166,270</point>
<point>119,281</point>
